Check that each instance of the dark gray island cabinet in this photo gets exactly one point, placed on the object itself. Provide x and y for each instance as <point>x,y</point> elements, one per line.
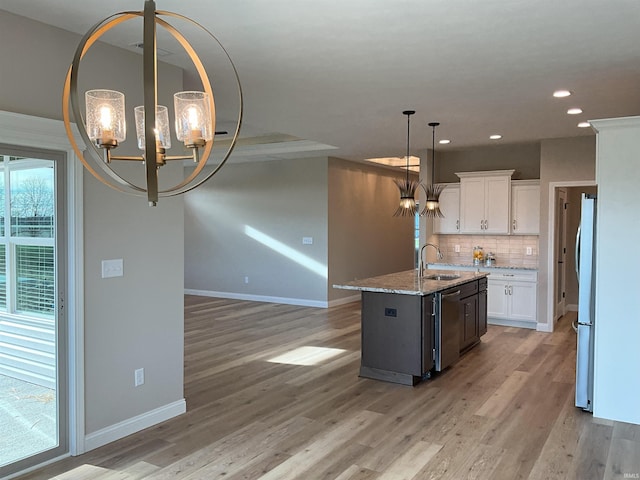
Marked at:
<point>413,326</point>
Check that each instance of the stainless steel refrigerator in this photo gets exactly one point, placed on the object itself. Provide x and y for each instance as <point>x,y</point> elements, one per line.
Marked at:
<point>585,268</point>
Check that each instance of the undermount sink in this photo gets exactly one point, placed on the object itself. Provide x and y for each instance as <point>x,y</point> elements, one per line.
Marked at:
<point>441,276</point>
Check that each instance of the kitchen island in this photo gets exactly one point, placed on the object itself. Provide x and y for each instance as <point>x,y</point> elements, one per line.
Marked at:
<point>414,325</point>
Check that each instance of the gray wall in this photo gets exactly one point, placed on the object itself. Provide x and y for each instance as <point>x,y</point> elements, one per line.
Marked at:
<point>285,200</point>
<point>523,157</point>
<point>365,238</point>
<point>561,160</point>
<point>345,207</point>
<point>137,320</point>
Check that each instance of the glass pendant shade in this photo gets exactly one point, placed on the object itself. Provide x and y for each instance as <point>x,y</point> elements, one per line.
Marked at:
<point>105,116</point>
<point>193,117</point>
<point>163,134</point>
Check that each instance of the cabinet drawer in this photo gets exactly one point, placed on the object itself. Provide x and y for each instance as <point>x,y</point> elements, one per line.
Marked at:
<point>514,275</point>
<point>468,289</point>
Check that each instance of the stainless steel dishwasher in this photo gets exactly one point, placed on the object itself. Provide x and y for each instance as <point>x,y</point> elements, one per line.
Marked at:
<point>447,327</point>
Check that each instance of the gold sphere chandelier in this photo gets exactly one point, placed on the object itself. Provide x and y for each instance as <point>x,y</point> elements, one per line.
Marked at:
<point>103,126</point>
<point>406,186</point>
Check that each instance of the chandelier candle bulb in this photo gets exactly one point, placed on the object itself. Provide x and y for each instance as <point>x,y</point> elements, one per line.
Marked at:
<point>105,117</point>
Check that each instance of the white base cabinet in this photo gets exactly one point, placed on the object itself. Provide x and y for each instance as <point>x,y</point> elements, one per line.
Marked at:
<point>511,299</point>
<point>511,295</point>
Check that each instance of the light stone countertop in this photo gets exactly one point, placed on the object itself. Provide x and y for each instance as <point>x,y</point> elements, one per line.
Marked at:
<point>471,265</point>
<point>408,282</point>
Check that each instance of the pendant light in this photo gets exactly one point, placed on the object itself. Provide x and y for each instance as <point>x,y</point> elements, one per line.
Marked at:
<point>103,128</point>
<point>432,204</point>
<point>406,186</point>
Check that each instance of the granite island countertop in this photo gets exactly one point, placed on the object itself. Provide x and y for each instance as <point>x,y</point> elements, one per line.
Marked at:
<point>408,282</point>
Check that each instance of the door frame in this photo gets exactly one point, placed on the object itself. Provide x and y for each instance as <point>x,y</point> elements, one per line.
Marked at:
<point>29,131</point>
<point>561,236</point>
<point>551,254</point>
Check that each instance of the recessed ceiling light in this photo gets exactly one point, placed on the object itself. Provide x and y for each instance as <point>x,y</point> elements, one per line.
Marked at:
<point>561,93</point>
<point>574,111</point>
<point>584,124</point>
<point>444,141</point>
<point>495,137</point>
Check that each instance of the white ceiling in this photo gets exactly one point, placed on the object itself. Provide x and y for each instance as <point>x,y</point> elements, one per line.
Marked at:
<point>340,73</point>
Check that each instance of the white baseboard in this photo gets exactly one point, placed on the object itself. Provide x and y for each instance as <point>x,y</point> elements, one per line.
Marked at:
<point>133,425</point>
<point>544,327</point>
<point>512,323</point>
<point>345,300</point>
<point>258,298</point>
<point>572,307</point>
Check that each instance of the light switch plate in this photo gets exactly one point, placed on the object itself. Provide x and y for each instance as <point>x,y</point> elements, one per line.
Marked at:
<point>112,268</point>
<point>307,240</point>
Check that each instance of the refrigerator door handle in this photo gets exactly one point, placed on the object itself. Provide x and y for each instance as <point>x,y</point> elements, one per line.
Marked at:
<point>578,254</point>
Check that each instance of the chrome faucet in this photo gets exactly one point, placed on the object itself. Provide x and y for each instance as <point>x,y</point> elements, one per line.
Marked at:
<point>422,263</point>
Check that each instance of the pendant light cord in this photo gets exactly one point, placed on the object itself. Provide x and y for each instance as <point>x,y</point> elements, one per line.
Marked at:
<point>407,157</point>
<point>433,154</point>
<point>433,126</point>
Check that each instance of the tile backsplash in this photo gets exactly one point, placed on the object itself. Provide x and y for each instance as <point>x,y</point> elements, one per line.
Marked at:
<point>508,249</point>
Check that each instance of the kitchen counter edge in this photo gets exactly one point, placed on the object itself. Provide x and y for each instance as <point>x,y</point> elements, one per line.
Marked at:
<point>408,282</point>
<point>491,267</point>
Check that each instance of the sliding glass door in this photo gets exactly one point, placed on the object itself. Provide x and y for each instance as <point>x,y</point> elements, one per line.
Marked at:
<point>33,351</point>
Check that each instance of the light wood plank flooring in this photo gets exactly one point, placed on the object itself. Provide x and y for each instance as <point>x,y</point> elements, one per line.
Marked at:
<point>504,411</point>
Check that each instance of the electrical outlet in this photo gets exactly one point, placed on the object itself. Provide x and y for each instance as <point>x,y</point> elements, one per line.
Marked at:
<point>457,248</point>
<point>529,250</point>
<point>307,240</point>
<point>138,375</point>
<point>246,280</point>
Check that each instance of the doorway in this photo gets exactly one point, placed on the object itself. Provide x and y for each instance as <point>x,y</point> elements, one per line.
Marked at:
<point>560,250</point>
<point>562,222</point>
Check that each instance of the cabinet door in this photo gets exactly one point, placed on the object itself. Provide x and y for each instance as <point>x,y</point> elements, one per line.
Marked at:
<point>525,209</point>
<point>482,312</point>
<point>497,204</point>
<point>450,207</point>
<point>523,301</point>
<point>498,299</point>
<point>428,345</point>
<point>469,330</point>
<point>472,192</point>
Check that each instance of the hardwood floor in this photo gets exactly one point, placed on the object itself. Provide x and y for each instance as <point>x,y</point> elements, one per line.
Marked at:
<point>504,411</point>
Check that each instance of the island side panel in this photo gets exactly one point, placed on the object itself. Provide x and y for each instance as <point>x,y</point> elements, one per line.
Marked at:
<point>396,337</point>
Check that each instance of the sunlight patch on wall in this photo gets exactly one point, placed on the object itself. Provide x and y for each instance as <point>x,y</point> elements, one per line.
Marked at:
<point>307,355</point>
<point>286,251</point>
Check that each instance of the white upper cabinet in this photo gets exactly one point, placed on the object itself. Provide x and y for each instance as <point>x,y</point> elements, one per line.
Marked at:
<point>450,207</point>
<point>525,207</point>
<point>485,202</point>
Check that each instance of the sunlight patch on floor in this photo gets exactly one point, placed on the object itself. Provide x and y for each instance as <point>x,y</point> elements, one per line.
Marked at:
<point>307,355</point>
